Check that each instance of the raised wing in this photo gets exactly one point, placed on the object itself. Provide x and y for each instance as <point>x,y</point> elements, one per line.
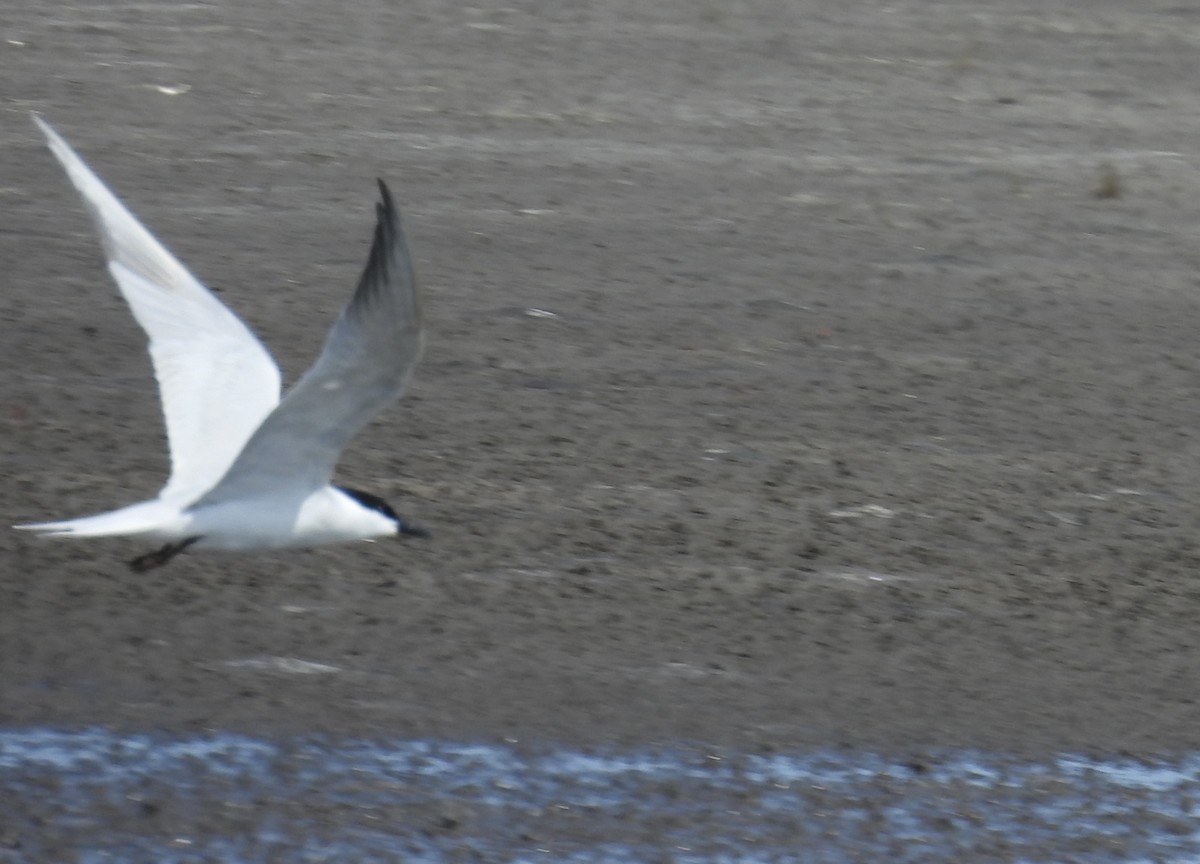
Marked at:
<point>367,360</point>
<point>217,380</point>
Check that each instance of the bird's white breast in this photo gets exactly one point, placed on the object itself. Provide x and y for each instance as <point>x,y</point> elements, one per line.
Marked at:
<point>278,521</point>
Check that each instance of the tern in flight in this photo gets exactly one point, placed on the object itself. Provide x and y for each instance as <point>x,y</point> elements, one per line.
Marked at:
<point>249,471</point>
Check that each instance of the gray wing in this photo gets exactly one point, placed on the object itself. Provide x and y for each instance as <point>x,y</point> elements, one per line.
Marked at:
<point>367,360</point>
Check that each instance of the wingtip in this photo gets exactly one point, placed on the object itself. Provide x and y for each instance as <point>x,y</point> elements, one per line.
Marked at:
<point>53,139</point>
<point>385,194</point>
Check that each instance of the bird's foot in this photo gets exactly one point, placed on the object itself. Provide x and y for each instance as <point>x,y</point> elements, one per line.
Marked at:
<point>150,560</point>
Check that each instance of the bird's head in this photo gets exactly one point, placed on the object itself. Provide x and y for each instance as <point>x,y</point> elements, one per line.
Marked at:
<point>404,528</point>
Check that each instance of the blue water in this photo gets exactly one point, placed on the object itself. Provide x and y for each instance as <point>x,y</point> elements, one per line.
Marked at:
<point>97,796</point>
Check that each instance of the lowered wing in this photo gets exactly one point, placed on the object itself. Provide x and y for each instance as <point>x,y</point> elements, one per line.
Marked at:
<point>217,380</point>
<point>368,358</point>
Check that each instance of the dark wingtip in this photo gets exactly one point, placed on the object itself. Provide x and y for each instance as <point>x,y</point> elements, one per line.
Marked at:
<point>387,227</point>
<point>385,210</point>
<point>387,282</point>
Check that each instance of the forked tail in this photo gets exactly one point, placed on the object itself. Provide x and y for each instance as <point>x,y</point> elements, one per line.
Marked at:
<point>140,518</point>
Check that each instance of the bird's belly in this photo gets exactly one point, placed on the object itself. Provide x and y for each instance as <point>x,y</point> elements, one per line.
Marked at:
<point>275,523</point>
<point>254,524</point>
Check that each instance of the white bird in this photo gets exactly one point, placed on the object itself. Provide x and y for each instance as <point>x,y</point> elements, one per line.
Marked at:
<point>249,471</point>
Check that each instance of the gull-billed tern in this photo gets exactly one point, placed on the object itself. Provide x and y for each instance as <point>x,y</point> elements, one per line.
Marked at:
<point>249,471</point>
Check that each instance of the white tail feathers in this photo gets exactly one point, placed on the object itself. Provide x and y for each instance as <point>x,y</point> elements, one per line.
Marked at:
<point>144,518</point>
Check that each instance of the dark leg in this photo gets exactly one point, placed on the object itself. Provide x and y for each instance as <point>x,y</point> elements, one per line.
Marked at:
<point>150,560</point>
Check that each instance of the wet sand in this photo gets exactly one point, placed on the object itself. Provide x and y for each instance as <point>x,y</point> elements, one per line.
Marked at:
<point>865,415</point>
<point>153,798</point>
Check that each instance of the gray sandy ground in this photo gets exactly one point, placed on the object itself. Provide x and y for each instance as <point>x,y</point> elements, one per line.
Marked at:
<point>862,418</point>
